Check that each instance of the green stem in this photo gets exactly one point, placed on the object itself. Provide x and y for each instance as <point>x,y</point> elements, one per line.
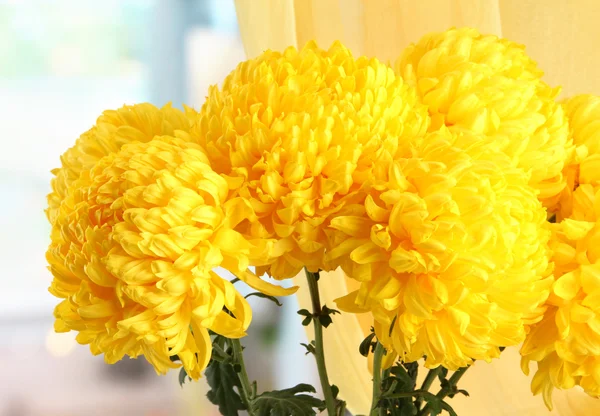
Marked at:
<point>452,382</point>
<point>247,391</point>
<point>377,358</point>
<point>313,287</point>
<point>429,379</point>
<point>456,377</point>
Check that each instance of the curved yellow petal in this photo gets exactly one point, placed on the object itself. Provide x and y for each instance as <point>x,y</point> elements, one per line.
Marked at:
<point>265,287</point>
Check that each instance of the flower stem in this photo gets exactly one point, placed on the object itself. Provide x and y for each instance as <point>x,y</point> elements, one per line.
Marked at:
<point>377,358</point>
<point>313,287</point>
<point>431,375</point>
<point>452,382</point>
<point>247,391</point>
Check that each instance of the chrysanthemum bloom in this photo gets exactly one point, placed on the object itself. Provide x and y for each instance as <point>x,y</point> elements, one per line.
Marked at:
<point>451,251</point>
<point>113,129</point>
<point>134,245</point>
<point>566,343</point>
<point>490,86</point>
<point>583,113</point>
<point>304,131</point>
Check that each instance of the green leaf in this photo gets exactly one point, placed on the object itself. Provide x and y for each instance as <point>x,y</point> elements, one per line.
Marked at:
<point>463,392</point>
<point>399,392</point>
<point>413,371</point>
<point>223,380</point>
<point>325,320</point>
<point>262,295</point>
<point>335,390</point>
<point>404,379</point>
<point>183,376</point>
<point>310,348</point>
<point>328,311</point>
<point>287,402</point>
<point>325,316</point>
<point>304,312</point>
<point>307,316</point>
<point>406,408</point>
<point>366,345</point>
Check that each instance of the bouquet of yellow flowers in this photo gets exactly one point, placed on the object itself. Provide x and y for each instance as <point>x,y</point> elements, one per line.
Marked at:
<point>452,187</point>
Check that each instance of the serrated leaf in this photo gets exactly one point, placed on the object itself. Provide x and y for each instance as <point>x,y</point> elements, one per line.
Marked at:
<point>262,295</point>
<point>287,402</point>
<point>183,377</point>
<point>223,380</point>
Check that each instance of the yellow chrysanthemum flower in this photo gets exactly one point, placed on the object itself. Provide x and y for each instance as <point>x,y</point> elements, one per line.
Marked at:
<point>134,245</point>
<point>583,113</point>
<point>113,129</point>
<point>305,131</point>
<point>566,343</point>
<point>490,86</point>
<point>451,250</point>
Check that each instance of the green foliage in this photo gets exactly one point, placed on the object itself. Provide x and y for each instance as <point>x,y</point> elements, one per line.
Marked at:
<point>325,315</point>
<point>223,380</point>
<point>183,377</point>
<point>368,344</point>
<point>400,397</point>
<point>310,348</point>
<point>397,389</point>
<point>287,402</point>
<point>335,390</point>
<point>307,316</point>
<point>223,377</point>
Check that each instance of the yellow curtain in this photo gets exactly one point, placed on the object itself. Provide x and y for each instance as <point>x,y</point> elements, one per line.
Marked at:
<point>560,34</point>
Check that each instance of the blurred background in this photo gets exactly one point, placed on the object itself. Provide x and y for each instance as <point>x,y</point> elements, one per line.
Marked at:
<point>62,62</point>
